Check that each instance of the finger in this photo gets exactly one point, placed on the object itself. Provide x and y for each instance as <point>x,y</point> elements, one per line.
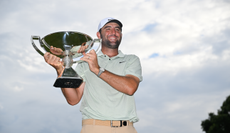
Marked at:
<point>55,49</point>
<point>46,56</point>
<point>55,61</point>
<point>83,44</point>
<point>52,50</point>
<point>84,54</point>
<point>50,57</point>
<point>85,57</point>
<point>89,56</point>
<point>92,52</point>
<point>54,58</point>
<point>80,50</point>
<point>86,46</point>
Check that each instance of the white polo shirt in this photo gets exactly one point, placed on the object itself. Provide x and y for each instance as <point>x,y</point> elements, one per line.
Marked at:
<point>100,100</point>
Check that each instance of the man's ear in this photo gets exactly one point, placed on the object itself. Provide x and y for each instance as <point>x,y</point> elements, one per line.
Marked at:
<point>98,35</point>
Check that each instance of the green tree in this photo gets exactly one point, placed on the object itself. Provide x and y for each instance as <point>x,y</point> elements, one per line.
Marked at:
<point>219,123</point>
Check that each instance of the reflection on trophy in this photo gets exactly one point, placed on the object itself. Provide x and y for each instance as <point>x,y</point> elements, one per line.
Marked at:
<point>68,43</point>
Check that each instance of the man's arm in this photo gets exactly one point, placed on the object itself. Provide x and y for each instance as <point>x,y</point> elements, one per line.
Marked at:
<point>72,95</point>
<point>127,84</point>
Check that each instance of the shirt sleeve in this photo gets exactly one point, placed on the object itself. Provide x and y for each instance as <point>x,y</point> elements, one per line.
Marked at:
<point>134,67</point>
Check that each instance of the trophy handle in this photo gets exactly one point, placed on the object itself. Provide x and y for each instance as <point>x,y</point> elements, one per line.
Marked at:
<point>90,45</point>
<point>99,41</point>
<point>34,45</point>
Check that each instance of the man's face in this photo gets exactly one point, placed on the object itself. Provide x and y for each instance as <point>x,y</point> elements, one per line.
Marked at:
<point>111,35</point>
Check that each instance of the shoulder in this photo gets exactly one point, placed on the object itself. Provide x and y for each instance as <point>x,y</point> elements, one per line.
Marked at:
<point>131,57</point>
<point>127,56</point>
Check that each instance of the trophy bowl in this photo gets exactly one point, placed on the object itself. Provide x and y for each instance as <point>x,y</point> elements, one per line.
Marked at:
<point>68,43</point>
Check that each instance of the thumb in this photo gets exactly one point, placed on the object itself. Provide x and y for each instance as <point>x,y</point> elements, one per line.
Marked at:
<point>92,51</point>
<point>84,53</point>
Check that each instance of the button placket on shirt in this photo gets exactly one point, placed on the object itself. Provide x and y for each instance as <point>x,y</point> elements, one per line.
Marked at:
<point>109,64</point>
<point>105,62</point>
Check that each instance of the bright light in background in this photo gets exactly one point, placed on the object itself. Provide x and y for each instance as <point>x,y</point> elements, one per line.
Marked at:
<point>184,49</point>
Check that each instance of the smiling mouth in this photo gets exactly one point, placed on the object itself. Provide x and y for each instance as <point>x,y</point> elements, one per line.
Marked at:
<point>112,38</point>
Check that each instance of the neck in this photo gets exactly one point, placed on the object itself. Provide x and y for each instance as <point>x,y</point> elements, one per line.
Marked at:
<point>109,52</point>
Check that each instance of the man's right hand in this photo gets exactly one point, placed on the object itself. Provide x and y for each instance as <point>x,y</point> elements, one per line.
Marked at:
<point>56,51</point>
<point>55,62</point>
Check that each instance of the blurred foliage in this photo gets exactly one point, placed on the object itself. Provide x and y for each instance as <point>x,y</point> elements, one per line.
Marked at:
<point>219,123</point>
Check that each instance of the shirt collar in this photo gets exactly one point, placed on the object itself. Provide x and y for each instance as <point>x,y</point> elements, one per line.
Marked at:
<point>120,54</point>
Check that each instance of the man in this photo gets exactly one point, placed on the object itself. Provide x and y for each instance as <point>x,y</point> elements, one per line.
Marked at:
<point>110,79</point>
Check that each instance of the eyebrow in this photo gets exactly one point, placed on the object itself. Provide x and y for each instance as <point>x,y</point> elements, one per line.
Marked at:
<point>110,27</point>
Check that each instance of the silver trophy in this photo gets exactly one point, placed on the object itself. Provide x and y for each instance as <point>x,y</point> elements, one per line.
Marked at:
<point>68,42</point>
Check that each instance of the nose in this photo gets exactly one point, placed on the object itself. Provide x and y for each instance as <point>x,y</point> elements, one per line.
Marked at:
<point>113,31</point>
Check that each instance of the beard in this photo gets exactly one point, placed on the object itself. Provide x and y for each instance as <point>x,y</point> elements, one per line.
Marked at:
<point>108,44</point>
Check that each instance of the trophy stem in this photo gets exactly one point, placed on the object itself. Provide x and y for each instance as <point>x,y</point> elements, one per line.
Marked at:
<point>69,79</point>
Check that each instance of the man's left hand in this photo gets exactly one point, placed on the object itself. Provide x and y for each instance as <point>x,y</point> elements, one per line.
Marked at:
<point>91,59</point>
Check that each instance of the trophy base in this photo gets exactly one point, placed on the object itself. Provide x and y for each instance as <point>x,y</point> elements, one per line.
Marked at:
<point>68,82</point>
